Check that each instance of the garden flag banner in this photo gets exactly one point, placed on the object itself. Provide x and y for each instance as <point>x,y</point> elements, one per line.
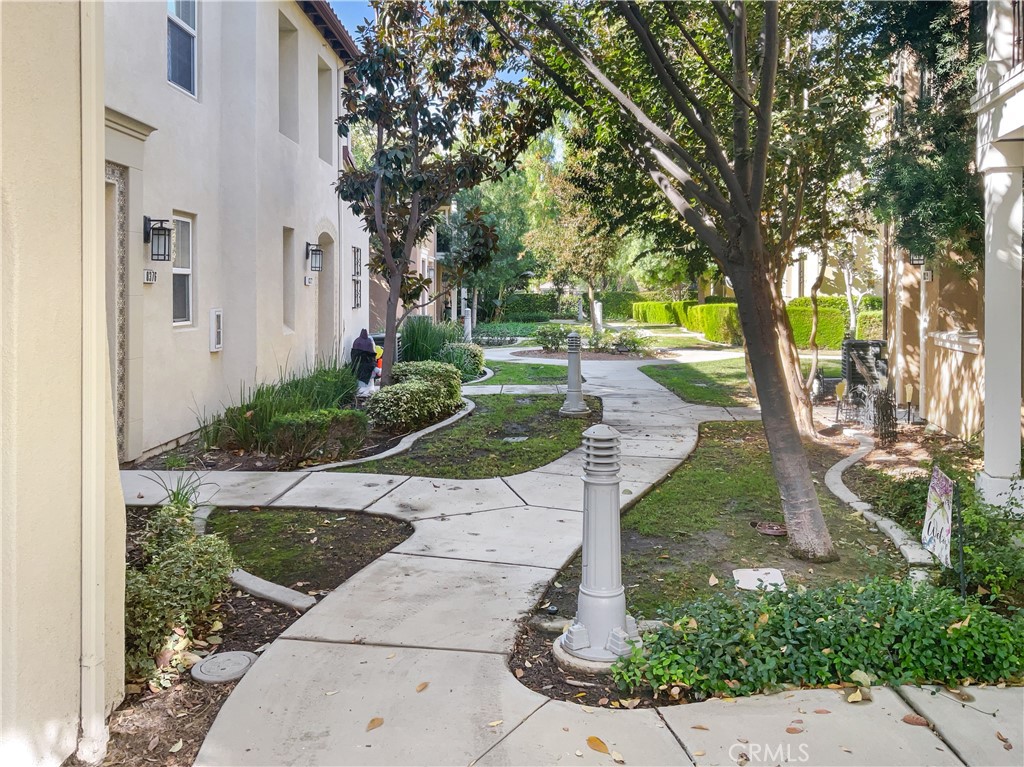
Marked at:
<point>938,517</point>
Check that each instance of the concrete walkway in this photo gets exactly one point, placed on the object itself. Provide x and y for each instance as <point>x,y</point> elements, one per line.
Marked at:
<point>442,608</point>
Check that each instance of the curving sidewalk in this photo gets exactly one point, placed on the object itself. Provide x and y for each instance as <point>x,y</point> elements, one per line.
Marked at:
<point>442,608</point>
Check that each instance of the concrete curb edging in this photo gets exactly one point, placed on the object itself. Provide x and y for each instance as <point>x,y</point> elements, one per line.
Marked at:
<point>407,441</point>
<point>488,373</point>
<point>272,592</point>
<point>912,552</point>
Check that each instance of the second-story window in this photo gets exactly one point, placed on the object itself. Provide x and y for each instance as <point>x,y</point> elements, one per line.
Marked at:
<point>181,44</point>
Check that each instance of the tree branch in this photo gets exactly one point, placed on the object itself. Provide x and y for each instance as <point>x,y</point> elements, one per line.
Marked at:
<point>737,38</point>
<point>690,214</point>
<point>765,99</point>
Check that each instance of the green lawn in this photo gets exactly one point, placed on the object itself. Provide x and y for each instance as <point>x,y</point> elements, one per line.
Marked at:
<point>715,382</point>
<point>475,447</point>
<point>525,373</point>
<point>679,341</point>
<point>697,524</point>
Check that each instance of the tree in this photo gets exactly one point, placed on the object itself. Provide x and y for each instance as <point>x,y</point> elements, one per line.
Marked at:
<point>440,121</point>
<point>689,92</point>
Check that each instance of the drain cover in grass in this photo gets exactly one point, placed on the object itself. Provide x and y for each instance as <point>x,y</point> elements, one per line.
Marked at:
<point>514,439</point>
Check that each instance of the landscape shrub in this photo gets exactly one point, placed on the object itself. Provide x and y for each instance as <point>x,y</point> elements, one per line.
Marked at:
<point>616,304</point>
<point>327,384</point>
<point>445,378</point>
<point>568,304</point>
<point>181,577</point>
<point>679,310</point>
<point>872,303</point>
<point>831,327</point>
<point>532,303</point>
<point>870,325</point>
<point>468,358</point>
<point>824,302</point>
<point>411,404</point>
<point>889,631</point>
<point>599,341</point>
<point>523,317</point>
<point>329,433</point>
<point>718,322</point>
<point>552,337</point>
<point>423,339</point>
<point>719,299</point>
<point>631,342</point>
<point>654,312</point>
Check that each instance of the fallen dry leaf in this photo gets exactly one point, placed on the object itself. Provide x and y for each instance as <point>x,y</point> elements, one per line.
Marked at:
<point>631,703</point>
<point>762,619</point>
<point>1001,736</point>
<point>692,623</point>
<point>698,727</point>
<point>153,743</point>
<point>495,723</point>
<point>392,655</point>
<point>603,702</point>
<point>916,719</point>
<point>331,692</point>
<point>822,711</point>
<point>617,758</point>
<point>1007,746</point>
<point>176,747</point>
<point>519,673</point>
<point>374,723</point>
<point>422,686</point>
<point>855,696</point>
<point>565,729</point>
<point>794,730</point>
<point>712,581</point>
<point>846,749</point>
<point>699,753</point>
<point>586,709</point>
<point>597,744</point>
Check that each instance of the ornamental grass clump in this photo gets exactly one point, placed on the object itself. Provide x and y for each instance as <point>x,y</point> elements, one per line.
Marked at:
<point>754,642</point>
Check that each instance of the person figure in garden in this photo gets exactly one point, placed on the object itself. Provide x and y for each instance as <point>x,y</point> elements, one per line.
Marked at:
<point>364,359</point>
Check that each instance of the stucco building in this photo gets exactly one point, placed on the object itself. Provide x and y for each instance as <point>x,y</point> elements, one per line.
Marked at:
<point>220,123</point>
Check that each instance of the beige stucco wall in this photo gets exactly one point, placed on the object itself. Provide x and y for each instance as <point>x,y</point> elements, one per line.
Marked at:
<point>221,158</point>
<point>56,460</point>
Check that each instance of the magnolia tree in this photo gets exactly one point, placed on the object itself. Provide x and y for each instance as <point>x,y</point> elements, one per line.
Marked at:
<point>425,89</point>
<point>691,95</point>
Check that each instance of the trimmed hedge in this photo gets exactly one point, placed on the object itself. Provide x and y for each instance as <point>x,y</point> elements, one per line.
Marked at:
<point>680,309</point>
<point>831,326</point>
<point>568,303</point>
<point>328,433</point>
<point>446,378</point>
<point>527,317</point>
<point>870,325</point>
<point>552,337</point>
<point>617,304</point>
<point>654,312</point>
<point>532,303</point>
<point>423,393</point>
<point>719,300</point>
<point>718,322</point>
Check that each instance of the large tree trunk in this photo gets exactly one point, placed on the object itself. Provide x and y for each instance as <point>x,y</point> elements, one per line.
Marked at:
<point>809,538</point>
<point>391,323</point>
<point>789,358</point>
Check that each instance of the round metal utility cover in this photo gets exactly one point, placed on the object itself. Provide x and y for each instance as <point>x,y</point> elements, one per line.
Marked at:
<point>223,667</point>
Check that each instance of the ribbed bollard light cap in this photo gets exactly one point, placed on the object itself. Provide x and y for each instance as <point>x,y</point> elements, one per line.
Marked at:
<point>574,341</point>
<point>601,448</point>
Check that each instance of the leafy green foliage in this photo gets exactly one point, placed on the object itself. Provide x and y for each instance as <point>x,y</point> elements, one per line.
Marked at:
<point>654,312</point>
<point>423,339</point>
<point>718,322</point>
<point>681,309</point>
<point>328,384</point>
<point>890,630</point>
<point>532,303</point>
<point>616,304</point>
<point>180,579</point>
<point>526,317</point>
<point>423,393</point>
<point>870,325</point>
<point>831,327</point>
<point>502,333</point>
<point>330,434</point>
<point>552,338</point>
<point>468,358</point>
<point>631,341</point>
<point>568,306</point>
<point>445,377</point>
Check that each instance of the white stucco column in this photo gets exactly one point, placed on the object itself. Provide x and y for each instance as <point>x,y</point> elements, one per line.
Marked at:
<point>1002,441</point>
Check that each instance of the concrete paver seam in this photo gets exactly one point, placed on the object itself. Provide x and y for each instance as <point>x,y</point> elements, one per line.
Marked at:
<point>303,476</point>
<point>935,728</point>
<point>504,481</point>
<point>679,740</point>
<point>389,645</point>
<point>471,559</point>
<point>500,740</point>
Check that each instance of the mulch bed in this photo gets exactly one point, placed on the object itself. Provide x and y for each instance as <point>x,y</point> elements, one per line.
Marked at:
<point>240,460</point>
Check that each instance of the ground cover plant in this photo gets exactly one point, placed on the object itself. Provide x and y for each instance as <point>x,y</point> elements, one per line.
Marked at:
<point>526,373</point>
<point>475,447</point>
<point>881,631</point>
<point>307,550</point>
<point>697,524</point>
<point>249,425</point>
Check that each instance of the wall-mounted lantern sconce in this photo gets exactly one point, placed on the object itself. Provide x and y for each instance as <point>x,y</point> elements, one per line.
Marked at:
<point>915,260</point>
<point>157,234</point>
<point>315,256</point>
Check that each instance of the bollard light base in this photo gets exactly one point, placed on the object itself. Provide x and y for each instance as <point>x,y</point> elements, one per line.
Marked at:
<point>579,665</point>
<point>570,412</point>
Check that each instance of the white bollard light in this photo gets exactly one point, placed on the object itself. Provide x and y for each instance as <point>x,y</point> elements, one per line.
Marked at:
<point>467,326</point>
<point>574,404</point>
<point>602,631</point>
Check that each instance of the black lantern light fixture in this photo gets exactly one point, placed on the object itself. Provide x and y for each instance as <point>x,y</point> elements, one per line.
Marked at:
<point>915,259</point>
<point>157,235</point>
<point>315,256</point>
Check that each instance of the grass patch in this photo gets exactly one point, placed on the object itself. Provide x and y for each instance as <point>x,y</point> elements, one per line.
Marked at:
<point>475,447</point>
<point>525,373</point>
<point>679,341</point>
<point>697,524</point>
<point>828,368</point>
<point>303,549</point>
<point>715,382</point>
